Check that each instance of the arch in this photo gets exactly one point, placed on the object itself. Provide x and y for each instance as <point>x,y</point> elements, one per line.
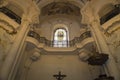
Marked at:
<point>58,26</point>
<point>74,2</point>
<point>60,36</point>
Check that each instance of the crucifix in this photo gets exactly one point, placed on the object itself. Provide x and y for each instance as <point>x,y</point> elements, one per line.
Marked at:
<point>59,76</point>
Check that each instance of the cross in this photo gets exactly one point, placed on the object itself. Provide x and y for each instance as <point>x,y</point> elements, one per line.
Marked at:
<point>59,76</point>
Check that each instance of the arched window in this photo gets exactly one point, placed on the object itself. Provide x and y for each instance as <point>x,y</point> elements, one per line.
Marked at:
<point>60,38</point>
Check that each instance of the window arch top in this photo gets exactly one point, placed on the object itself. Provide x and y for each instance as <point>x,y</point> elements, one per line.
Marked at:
<point>60,34</point>
<point>60,37</point>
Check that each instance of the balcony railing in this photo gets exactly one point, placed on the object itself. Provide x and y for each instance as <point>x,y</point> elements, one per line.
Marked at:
<point>80,38</point>
<point>110,15</point>
<point>61,43</point>
<point>11,14</point>
<point>34,35</point>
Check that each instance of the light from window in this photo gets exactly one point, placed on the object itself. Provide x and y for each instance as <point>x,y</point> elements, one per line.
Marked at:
<point>60,38</point>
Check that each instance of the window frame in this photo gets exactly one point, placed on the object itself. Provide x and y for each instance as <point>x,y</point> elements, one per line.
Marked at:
<point>58,43</point>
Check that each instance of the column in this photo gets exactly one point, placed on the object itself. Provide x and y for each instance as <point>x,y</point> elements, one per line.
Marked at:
<point>100,40</point>
<point>17,63</point>
<point>9,63</point>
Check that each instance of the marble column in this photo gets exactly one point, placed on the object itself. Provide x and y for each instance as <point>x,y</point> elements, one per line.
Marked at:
<point>101,44</point>
<point>10,63</point>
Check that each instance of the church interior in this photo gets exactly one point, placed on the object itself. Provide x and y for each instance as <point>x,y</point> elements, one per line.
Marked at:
<point>59,39</point>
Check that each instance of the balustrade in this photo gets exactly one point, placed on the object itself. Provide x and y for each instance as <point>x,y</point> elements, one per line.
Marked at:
<point>11,14</point>
<point>62,43</point>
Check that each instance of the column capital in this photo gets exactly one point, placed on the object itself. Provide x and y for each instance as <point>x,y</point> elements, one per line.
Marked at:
<point>94,21</point>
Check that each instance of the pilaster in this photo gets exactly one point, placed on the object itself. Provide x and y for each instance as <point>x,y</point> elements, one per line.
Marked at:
<point>10,61</point>
<point>110,65</point>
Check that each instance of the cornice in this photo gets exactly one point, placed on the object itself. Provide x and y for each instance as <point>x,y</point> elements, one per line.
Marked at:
<point>12,31</point>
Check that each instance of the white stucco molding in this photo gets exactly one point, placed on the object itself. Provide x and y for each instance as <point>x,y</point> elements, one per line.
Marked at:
<point>87,14</point>
<point>90,11</point>
<point>30,9</point>
<point>35,54</point>
<point>57,49</point>
<point>109,23</point>
<point>34,13</point>
<point>84,54</point>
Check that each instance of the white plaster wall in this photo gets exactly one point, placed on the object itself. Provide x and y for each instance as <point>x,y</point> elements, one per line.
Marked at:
<point>48,65</point>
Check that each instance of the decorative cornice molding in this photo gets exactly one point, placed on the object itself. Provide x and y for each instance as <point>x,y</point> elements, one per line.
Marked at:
<point>107,33</point>
<point>10,26</point>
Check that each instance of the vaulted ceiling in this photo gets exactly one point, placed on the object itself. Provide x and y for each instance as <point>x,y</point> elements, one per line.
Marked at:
<point>60,8</point>
<point>53,7</point>
<point>78,3</point>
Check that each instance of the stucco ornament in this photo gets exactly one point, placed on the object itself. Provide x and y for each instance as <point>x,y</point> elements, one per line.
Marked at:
<point>87,14</point>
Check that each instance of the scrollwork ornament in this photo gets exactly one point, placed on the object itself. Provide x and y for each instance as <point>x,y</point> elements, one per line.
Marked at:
<point>35,19</point>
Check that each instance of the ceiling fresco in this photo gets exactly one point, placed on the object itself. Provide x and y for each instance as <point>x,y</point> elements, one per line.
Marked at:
<point>60,8</point>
